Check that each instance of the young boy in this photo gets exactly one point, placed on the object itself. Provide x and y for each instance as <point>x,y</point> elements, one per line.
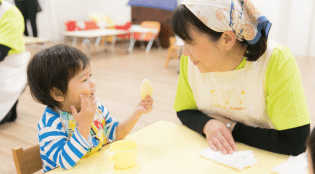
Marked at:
<point>73,125</point>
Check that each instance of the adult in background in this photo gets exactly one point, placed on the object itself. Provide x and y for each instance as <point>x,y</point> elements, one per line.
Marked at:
<point>13,60</point>
<point>29,10</point>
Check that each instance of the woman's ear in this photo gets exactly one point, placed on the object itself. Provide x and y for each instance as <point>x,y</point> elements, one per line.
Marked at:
<point>56,94</point>
<point>230,39</point>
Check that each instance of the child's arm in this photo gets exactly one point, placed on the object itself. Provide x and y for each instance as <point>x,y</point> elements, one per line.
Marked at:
<point>56,148</point>
<point>123,128</point>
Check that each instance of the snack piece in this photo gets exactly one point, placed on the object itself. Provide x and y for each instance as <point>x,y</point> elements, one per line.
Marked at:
<point>146,89</point>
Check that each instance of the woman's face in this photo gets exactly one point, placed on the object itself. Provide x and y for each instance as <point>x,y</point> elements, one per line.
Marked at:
<point>225,54</point>
<point>205,54</point>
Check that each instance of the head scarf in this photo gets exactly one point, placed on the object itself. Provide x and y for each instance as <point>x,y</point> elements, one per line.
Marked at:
<point>239,16</point>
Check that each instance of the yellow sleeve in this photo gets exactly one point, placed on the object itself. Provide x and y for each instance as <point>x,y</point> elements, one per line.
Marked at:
<point>11,30</point>
<point>184,99</point>
<point>286,101</point>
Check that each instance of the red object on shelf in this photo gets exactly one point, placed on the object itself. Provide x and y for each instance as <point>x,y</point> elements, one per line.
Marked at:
<point>71,26</point>
<point>124,27</point>
<point>90,25</point>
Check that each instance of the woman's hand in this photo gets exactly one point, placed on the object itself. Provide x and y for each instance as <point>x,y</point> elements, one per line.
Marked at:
<point>145,106</point>
<point>219,136</point>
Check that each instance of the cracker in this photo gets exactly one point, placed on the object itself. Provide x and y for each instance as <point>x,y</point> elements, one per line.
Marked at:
<point>146,89</point>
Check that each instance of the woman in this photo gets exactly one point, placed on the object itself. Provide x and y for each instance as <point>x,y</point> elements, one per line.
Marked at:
<point>234,85</point>
<point>13,60</point>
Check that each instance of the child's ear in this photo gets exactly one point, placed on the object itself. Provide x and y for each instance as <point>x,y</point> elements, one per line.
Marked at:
<point>56,94</point>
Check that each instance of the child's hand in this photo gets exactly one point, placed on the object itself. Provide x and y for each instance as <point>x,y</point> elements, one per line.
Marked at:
<point>145,106</point>
<point>86,116</point>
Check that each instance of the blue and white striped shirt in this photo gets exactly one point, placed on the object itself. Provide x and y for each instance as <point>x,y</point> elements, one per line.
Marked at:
<point>56,149</point>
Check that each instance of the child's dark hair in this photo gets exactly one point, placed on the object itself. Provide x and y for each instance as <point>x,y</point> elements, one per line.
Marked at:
<point>310,143</point>
<point>182,16</point>
<point>53,68</point>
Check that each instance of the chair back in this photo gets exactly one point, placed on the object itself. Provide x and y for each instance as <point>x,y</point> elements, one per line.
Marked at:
<point>172,41</point>
<point>90,25</point>
<point>71,25</point>
<point>151,24</point>
<point>27,161</point>
<point>109,21</point>
<point>127,26</point>
<point>148,36</point>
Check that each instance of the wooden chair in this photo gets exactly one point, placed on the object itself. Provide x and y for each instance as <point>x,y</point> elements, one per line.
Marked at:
<point>148,36</point>
<point>27,161</point>
<point>172,51</point>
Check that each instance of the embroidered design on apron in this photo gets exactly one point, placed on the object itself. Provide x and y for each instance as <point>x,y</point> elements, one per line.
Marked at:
<point>238,94</point>
<point>98,130</point>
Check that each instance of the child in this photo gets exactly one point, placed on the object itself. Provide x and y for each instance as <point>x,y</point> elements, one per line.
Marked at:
<point>73,125</point>
<point>311,152</point>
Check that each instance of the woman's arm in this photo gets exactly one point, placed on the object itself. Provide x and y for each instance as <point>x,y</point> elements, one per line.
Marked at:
<point>4,50</point>
<point>194,119</point>
<point>290,141</point>
<point>217,134</point>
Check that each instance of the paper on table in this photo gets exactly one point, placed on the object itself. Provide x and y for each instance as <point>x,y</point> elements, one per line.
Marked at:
<point>238,160</point>
<point>294,165</point>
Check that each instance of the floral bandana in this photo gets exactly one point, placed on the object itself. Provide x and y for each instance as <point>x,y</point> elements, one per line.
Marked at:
<point>97,132</point>
<point>239,16</point>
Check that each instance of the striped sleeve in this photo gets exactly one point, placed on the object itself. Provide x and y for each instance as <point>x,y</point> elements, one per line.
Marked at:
<point>55,146</point>
<point>111,124</point>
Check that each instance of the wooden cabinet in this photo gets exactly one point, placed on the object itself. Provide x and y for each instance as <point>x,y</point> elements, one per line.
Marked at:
<point>140,14</point>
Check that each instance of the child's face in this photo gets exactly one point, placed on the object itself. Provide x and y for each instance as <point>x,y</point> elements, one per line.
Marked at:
<point>82,83</point>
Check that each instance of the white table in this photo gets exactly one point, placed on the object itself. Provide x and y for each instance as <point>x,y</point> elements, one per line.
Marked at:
<point>96,33</point>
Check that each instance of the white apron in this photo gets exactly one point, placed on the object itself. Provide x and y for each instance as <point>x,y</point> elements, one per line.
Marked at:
<point>12,80</point>
<point>238,94</point>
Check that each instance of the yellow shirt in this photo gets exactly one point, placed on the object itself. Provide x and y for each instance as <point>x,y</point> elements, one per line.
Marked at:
<point>11,29</point>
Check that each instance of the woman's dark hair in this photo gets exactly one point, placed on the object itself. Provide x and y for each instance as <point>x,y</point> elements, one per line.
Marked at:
<point>182,16</point>
<point>310,143</point>
<point>53,68</point>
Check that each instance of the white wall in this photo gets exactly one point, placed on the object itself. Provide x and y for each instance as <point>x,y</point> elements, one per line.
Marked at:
<point>291,19</point>
<point>50,22</point>
<point>312,37</point>
<point>118,10</point>
<point>291,23</point>
<point>299,26</point>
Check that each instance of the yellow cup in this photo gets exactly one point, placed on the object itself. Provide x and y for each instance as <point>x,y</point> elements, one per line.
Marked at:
<point>123,154</point>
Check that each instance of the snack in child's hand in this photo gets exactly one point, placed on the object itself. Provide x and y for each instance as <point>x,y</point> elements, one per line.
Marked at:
<point>146,89</point>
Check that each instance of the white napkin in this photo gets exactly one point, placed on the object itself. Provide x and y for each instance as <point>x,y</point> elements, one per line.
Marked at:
<point>238,160</point>
<point>294,165</point>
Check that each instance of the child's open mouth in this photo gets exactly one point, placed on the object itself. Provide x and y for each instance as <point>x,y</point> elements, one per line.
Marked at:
<point>92,96</point>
